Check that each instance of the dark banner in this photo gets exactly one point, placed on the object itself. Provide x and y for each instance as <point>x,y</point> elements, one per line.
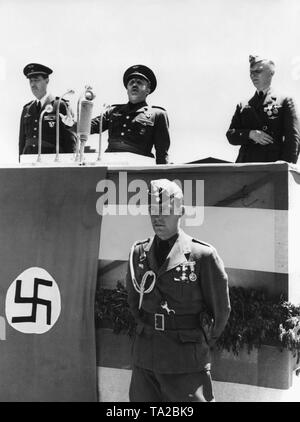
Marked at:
<point>49,247</point>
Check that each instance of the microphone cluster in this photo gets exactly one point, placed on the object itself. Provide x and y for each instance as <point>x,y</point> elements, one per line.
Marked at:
<point>84,116</point>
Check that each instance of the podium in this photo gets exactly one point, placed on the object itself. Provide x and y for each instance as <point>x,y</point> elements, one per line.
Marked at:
<point>54,239</point>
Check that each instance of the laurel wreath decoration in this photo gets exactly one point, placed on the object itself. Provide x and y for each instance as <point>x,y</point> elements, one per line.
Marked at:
<point>255,319</point>
<point>112,310</point>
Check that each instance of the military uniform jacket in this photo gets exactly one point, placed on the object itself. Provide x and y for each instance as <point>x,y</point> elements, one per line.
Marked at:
<point>29,129</point>
<point>275,115</point>
<point>182,350</point>
<point>136,128</point>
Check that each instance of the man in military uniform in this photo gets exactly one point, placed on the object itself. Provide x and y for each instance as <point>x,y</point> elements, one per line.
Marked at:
<point>178,294</point>
<point>38,76</point>
<point>137,127</point>
<point>266,126</point>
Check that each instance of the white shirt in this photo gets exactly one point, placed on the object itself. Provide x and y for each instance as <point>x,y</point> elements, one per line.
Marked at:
<point>42,100</point>
<point>264,90</point>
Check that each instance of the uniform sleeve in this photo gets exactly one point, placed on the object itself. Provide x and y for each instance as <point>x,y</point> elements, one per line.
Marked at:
<point>68,137</point>
<point>215,292</point>
<point>236,134</point>
<point>290,149</point>
<point>161,138</point>
<point>95,123</point>
<point>21,134</point>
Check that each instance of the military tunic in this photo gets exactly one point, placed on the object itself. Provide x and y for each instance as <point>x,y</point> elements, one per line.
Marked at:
<point>193,282</point>
<point>276,115</point>
<point>29,129</point>
<point>136,128</point>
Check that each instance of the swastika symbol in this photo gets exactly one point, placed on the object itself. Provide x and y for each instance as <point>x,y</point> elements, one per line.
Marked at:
<point>34,300</point>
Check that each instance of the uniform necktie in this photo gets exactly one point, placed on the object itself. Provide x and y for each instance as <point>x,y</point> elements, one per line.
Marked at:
<point>162,250</point>
<point>261,95</point>
<point>38,106</point>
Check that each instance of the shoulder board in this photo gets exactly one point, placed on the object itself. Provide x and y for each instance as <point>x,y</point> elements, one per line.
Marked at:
<point>244,103</point>
<point>142,242</point>
<point>116,105</point>
<point>161,108</point>
<point>202,243</point>
<point>63,99</point>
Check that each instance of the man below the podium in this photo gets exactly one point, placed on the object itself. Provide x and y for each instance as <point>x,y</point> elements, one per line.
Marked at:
<point>136,127</point>
<point>38,76</point>
<point>266,126</point>
<point>178,295</point>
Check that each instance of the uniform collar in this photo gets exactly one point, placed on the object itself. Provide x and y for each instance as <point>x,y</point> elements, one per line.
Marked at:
<point>135,107</point>
<point>170,242</point>
<point>265,91</point>
<point>42,100</point>
<point>269,94</point>
<point>47,99</point>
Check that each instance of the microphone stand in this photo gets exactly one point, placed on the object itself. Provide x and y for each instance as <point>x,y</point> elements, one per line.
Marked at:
<point>48,109</point>
<point>78,116</point>
<point>70,91</point>
<point>87,95</point>
<point>105,107</point>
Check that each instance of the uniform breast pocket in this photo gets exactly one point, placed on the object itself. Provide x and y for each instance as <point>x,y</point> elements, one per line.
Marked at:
<point>190,291</point>
<point>114,124</point>
<point>28,122</point>
<point>248,116</point>
<point>142,126</point>
<point>49,122</point>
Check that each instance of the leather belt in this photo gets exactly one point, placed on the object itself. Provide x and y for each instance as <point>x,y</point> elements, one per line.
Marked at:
<point>162,322</point>
<point>118,145</point>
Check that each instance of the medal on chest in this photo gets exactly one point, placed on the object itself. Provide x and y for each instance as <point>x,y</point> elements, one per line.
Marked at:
<point>271,109</point>
<point>185,272</point>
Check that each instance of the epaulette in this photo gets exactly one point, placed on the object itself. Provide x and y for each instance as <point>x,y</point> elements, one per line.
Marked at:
<point>159,107</point>
<point>202,243</point>
<point>63,99</point>
<point>116,105</point>
<point>142,242</point>
<point>244,103</point>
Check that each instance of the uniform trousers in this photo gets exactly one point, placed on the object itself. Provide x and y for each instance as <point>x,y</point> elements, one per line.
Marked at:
<point>149,386</point>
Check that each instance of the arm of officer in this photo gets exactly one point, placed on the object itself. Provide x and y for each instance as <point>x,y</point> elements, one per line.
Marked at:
<point>21,134</point>
<point>291,145</point>
<point>236,135</point>
<point>161,137</point>
<point>215,292</point>
<point>95,123</point>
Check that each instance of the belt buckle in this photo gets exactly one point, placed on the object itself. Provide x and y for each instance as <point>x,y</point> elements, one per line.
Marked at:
<point>159,322</point>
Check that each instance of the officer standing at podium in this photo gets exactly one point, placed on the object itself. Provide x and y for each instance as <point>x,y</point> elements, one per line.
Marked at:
<point>38,76</point>
<point>178,294</point>
<point>266,126</point>
<point>137,127</point>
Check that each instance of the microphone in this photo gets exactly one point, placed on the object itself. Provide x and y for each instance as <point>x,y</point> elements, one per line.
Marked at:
<point>48,109</point>
<point>84,117</point>
<point>84,124</point>
<point>70,91</point>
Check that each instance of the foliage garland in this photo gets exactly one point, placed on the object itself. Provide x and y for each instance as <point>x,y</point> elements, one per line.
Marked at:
<point>255,319</point>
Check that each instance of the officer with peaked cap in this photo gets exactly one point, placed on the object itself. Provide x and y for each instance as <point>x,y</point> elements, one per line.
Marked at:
<point>178,294</point>
<point>266,126</point>
<point>38,76</point>
<point>137,127</point>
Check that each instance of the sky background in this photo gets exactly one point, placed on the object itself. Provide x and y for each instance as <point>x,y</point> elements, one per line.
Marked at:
<point>198,50</point>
